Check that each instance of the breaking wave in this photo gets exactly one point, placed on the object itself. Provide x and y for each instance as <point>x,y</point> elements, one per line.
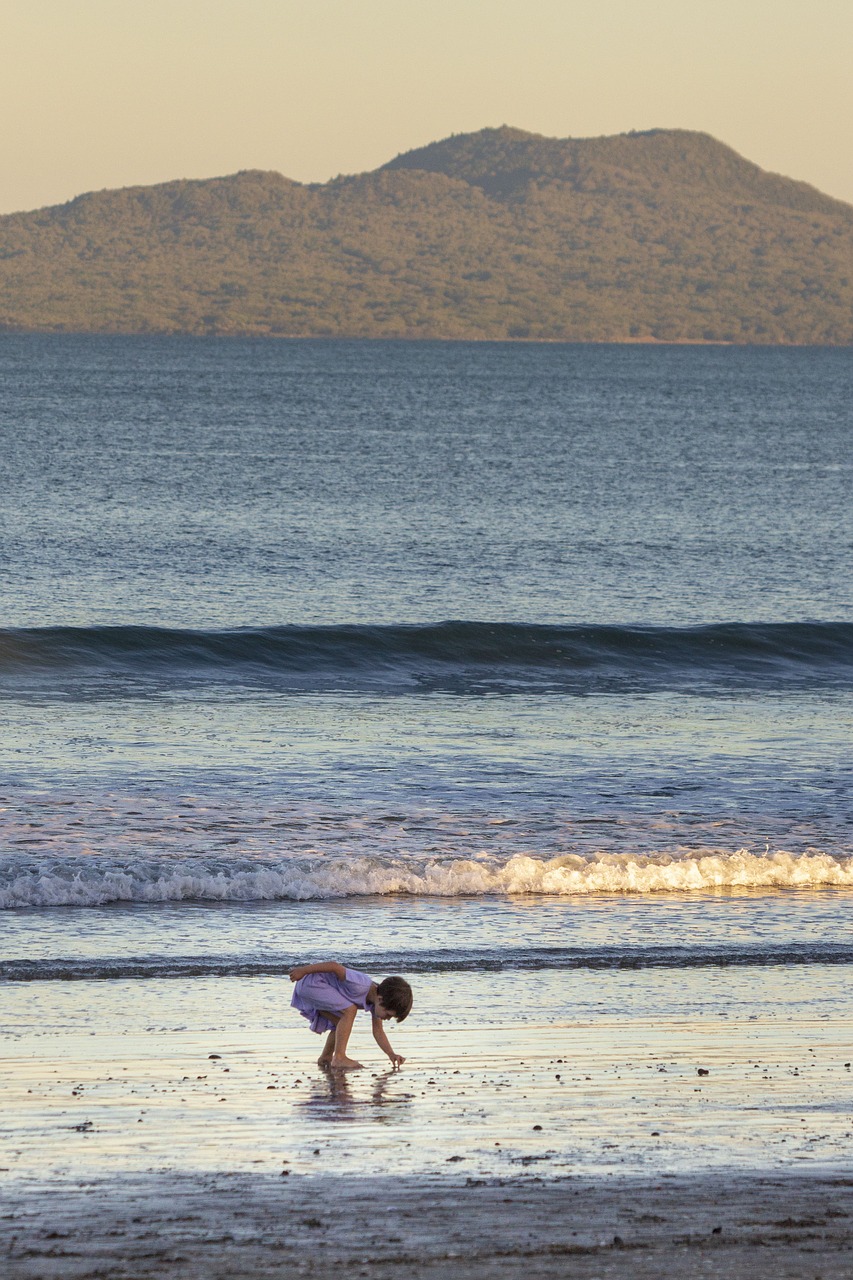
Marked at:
<point>93,881</point>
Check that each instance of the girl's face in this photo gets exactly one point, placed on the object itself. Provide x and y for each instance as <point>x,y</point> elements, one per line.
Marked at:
<point>380,1010</point>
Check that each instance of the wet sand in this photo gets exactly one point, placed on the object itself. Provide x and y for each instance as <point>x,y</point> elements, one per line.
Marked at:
<point>258,1226</point>
<point>165,1129</point>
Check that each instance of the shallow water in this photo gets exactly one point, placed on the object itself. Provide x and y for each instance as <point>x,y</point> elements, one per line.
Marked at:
<point>428,935</point>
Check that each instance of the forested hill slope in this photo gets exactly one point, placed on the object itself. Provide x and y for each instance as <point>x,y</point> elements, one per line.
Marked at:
<point>666,235</point>
<point>504,161</point>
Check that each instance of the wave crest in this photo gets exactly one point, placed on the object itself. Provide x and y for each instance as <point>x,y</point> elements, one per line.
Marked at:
<point>97,882</point>
<point>464,656</point>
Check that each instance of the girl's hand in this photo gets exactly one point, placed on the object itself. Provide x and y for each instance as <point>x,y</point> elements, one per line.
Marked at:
<point>297,973</point>
<point>397,1060</point>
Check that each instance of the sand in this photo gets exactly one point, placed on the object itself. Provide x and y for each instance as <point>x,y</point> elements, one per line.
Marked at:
<point>259,1226</point>
<point>158,1129</point>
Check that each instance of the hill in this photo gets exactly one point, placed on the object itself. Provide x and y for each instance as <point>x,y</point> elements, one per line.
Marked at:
<point>667,235</point>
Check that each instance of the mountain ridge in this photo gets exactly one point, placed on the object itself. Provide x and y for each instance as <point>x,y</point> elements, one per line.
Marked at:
<point>574,159</point>
<point>663,235</point>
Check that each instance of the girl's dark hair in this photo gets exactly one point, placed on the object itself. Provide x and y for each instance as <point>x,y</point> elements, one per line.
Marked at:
<point>396,995</point>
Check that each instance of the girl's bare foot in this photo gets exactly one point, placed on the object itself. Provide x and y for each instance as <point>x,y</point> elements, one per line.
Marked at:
<point>345,1064</point>
<point>323,1061</point>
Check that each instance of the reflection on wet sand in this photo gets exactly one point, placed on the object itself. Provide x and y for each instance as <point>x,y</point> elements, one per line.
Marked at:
<point>336,1096</point>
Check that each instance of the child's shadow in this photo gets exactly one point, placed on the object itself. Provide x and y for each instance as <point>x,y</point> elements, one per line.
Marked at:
<point>336,1095</point>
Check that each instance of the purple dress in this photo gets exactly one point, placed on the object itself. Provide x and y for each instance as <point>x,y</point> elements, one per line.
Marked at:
<point>320,993</point>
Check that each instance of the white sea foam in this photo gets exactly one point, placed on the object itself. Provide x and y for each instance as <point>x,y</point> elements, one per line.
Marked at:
<point>93,882</point>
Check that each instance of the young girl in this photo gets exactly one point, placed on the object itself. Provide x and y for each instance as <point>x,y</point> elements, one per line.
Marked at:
<point>329,996</point>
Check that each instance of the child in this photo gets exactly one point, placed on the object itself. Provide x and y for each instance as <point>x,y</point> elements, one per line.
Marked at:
<point>329,996</point>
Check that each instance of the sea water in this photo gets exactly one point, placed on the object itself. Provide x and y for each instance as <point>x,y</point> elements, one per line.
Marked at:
<point>514,663</point>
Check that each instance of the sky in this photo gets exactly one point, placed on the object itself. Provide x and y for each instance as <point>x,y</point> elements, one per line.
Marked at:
<point>112,93</point>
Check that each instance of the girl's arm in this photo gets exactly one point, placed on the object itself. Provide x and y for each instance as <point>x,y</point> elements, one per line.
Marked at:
<point>328,966</point>
<point>385,1044</point>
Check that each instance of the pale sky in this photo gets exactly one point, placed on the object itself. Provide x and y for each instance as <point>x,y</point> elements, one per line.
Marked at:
<point>110,93</point>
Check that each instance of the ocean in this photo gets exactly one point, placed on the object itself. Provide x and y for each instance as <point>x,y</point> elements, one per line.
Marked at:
<point>524,670</point>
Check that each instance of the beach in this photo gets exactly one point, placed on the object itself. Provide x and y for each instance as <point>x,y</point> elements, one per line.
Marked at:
<point>181,1134</point>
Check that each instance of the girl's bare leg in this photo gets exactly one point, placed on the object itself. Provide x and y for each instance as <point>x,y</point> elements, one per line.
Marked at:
<point>328,1049</point>
<point>340,1061</point>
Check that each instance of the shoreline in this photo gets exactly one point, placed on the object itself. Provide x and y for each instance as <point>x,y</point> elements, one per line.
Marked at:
<point>646,340</point>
